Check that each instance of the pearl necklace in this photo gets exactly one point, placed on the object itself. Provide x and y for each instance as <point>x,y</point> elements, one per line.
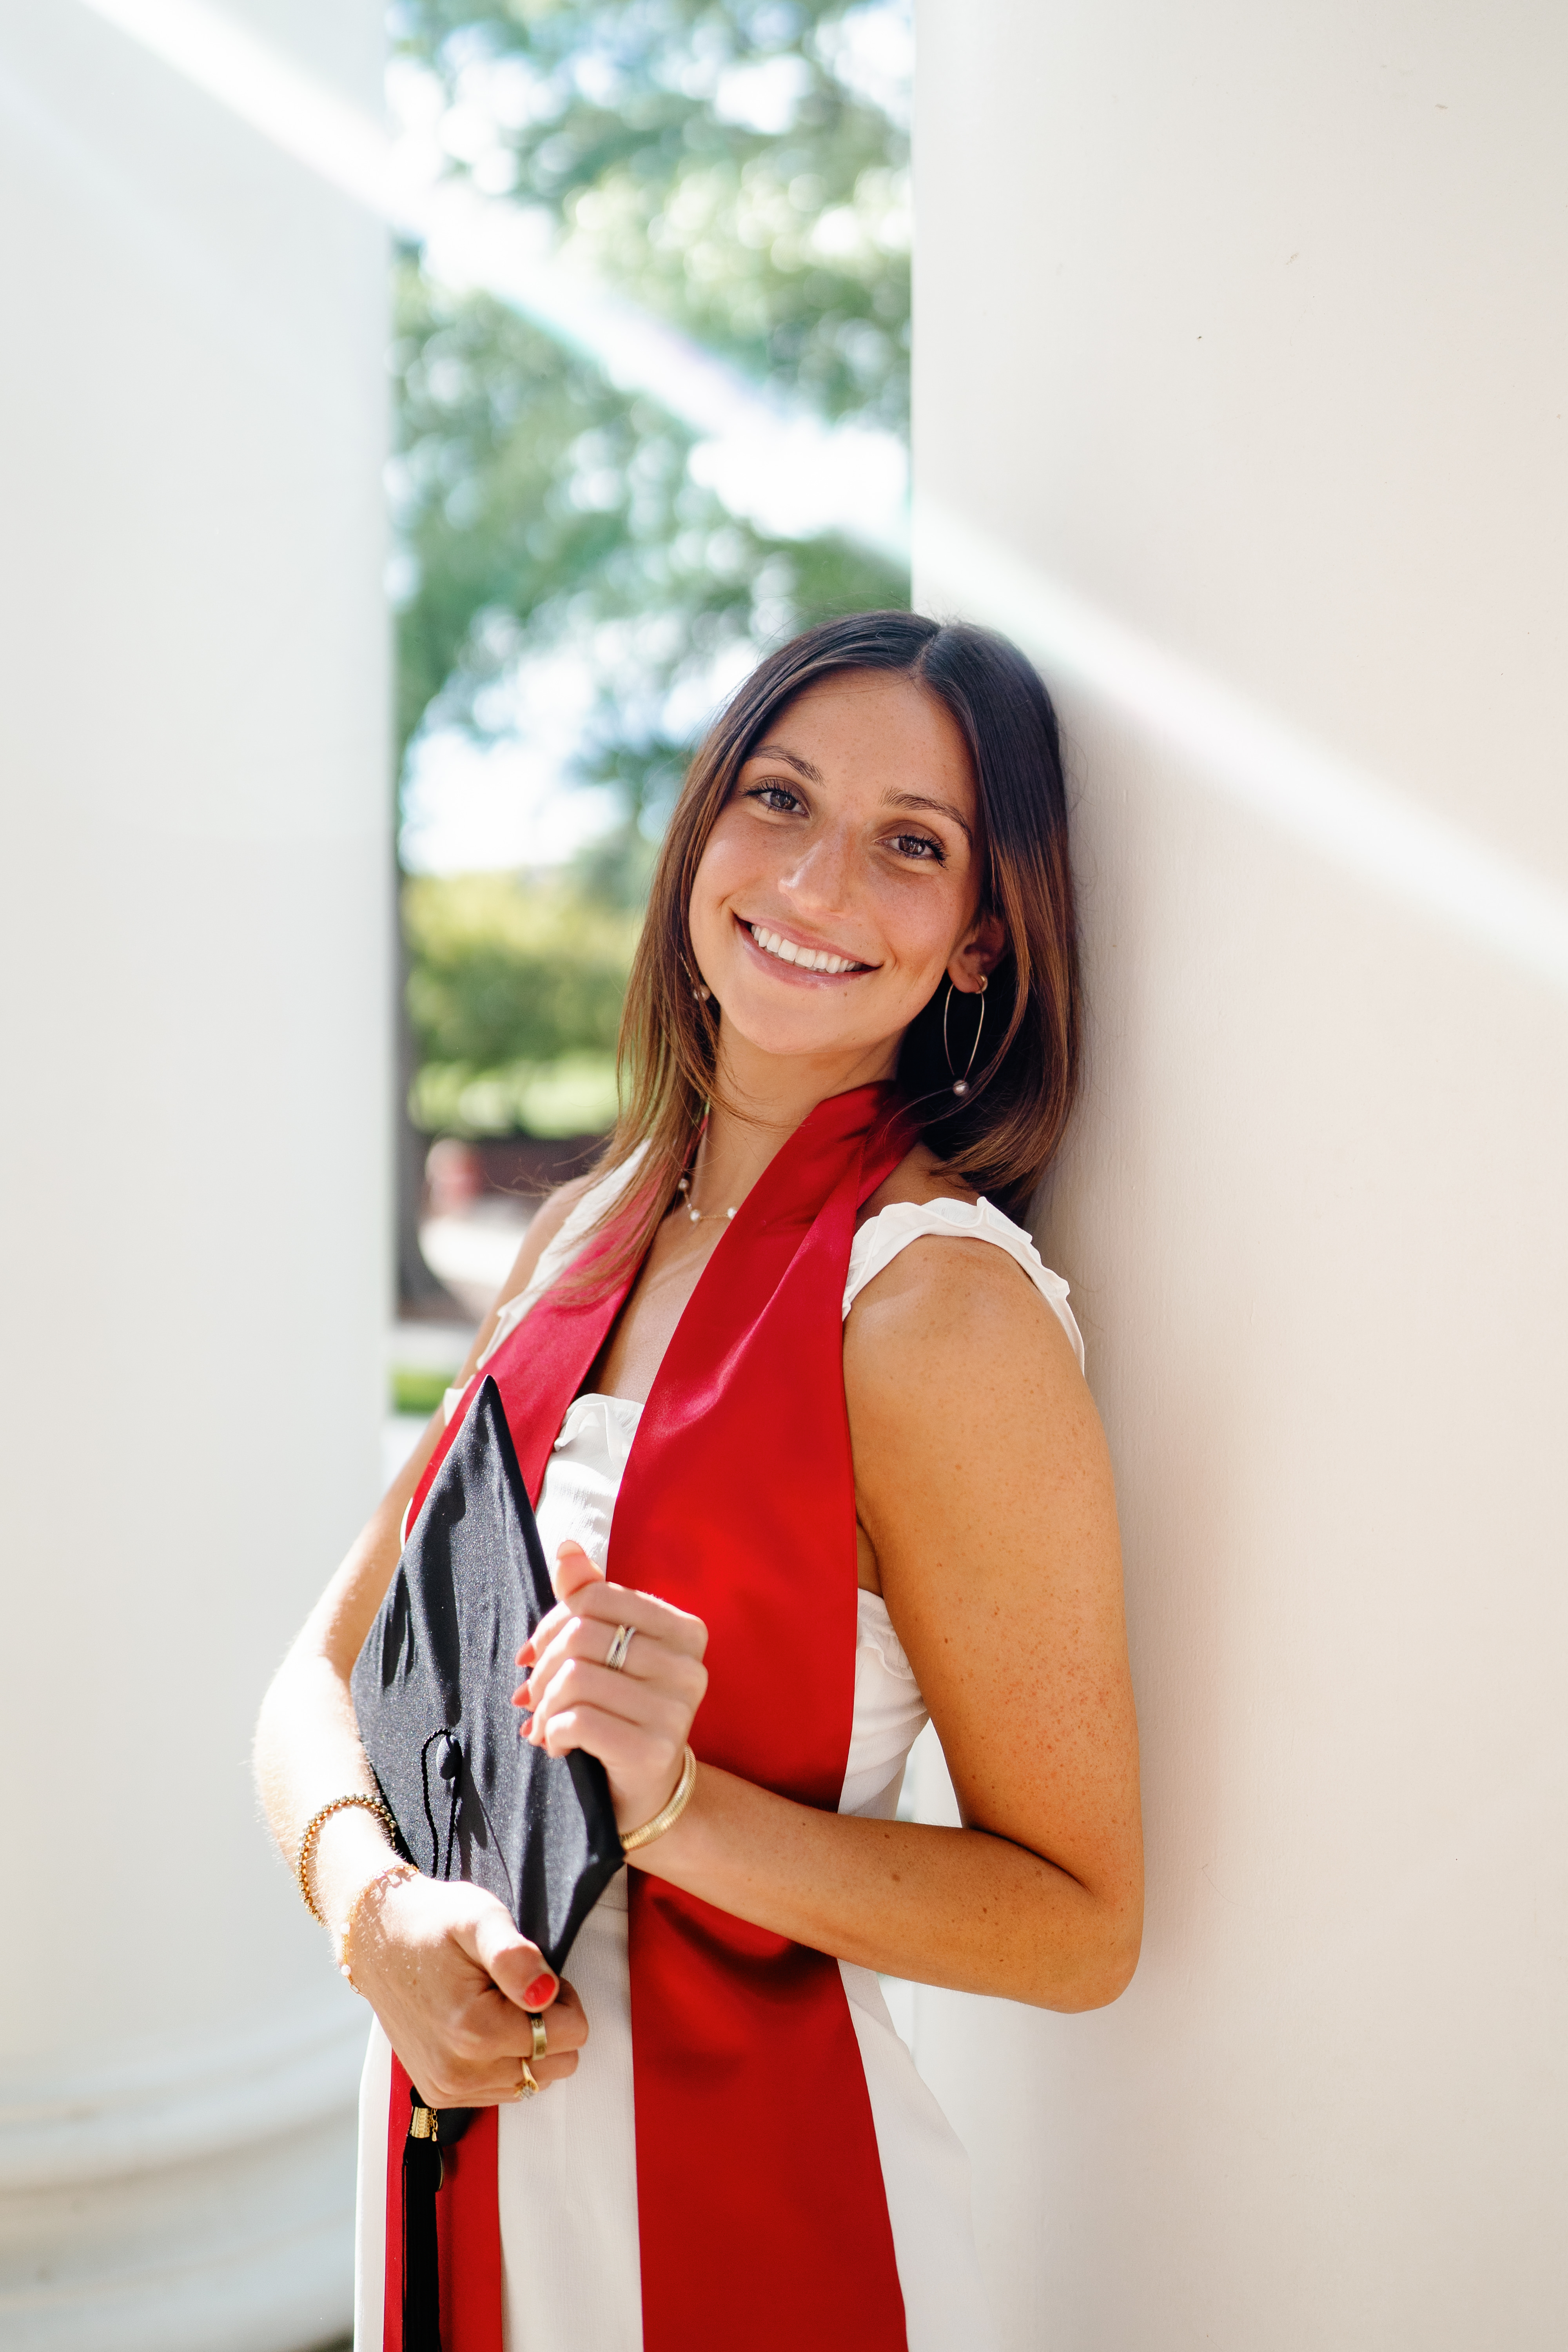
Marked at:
<point>698,1216</point>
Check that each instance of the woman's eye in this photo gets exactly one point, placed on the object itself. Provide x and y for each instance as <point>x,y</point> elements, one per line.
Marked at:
<point>777,797</point>
<point>921,847</point>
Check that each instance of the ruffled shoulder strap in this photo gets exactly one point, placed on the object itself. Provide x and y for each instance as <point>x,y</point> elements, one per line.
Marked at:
<point>881,1237</point>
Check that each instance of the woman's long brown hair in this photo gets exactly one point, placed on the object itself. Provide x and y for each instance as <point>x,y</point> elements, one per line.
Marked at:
<point>1000,1135</point>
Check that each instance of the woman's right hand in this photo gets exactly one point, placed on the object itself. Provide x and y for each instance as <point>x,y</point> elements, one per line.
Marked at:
<point>452,1982</point>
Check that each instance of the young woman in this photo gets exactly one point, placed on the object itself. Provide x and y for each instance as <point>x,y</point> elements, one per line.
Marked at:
<point>834,1405</point>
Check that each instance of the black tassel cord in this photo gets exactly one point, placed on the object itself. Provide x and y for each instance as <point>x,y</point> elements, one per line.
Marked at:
<point>422,2170</point>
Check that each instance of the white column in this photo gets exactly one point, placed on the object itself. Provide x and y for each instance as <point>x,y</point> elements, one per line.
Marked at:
<point>1243,328</point>
<point>193,912</point>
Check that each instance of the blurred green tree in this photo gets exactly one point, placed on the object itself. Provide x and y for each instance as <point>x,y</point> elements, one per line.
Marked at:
<point>507,970</point>
<point>733,163</point>
<point>740,170</point>
<point>515,998</point>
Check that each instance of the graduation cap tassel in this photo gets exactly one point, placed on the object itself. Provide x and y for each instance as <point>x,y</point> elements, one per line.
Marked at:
<point>422,2171</point>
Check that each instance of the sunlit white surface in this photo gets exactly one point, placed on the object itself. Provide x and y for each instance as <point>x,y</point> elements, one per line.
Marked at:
<point>1356,821</point>
<point>194,929</point>
<point>1239,340</point>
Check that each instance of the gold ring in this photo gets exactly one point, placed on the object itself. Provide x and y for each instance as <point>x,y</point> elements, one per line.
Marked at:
<point>619,1646</point>
<point>540,2037</point>
<point>528,2088</point>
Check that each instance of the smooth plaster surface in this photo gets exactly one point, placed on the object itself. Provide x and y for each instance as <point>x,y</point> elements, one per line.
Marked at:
<point>1246,326</point>
<point>195,921</point>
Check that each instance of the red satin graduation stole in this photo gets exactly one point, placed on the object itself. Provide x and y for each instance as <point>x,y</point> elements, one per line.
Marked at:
<point>762,2211</point>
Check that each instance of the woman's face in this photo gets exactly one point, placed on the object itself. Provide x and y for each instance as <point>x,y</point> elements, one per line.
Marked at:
<point>841,881</point>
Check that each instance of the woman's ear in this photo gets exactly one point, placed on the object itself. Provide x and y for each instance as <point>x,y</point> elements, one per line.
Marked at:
<point>977,960</point>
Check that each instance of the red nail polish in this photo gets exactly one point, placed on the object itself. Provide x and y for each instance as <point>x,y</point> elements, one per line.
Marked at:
<point>540,1994</point>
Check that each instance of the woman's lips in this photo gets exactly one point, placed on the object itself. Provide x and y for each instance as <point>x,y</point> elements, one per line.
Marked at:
<point>787,955</point>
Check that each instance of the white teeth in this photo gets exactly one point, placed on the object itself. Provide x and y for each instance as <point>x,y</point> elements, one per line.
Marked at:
<point>804,959</point>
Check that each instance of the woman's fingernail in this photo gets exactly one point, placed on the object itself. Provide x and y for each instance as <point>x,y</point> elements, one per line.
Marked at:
<point>540,1994</point>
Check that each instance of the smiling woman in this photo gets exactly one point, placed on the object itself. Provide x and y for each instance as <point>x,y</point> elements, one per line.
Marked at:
<point>956,801</point>
<point>818,1464</point>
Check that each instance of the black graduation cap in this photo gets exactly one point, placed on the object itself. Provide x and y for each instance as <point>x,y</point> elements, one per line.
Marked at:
<point>432,1689</point>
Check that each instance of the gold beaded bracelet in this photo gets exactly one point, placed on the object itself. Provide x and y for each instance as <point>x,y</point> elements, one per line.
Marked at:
<point>313,1828</point>
<point>668,1815</point>
<point>380,1886</point>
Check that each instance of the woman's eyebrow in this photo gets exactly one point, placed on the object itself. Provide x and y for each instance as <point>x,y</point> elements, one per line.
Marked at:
<point>937,808</point>
<point>777,751</point>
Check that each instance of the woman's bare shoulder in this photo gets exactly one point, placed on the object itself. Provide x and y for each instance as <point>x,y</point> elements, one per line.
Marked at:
<point>954,1303</point>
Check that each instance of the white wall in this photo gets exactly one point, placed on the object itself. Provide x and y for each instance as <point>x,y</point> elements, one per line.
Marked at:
<point>194,911</point>
<point>1245,326</point>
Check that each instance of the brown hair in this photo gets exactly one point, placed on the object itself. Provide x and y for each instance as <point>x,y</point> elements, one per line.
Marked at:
<point>1000,1135</point>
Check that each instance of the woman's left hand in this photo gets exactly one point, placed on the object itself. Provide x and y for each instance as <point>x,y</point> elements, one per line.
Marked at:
<point>635,1718</point>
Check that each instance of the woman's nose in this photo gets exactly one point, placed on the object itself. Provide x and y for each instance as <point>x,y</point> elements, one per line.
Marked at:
<point>820,876</point>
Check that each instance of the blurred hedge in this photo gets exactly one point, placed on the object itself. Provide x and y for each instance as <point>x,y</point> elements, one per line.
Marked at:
<point>515,991</point>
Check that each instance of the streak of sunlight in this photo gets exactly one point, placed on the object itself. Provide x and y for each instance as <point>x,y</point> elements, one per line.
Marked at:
<point>1349,817</point>
<point>791,473</point>
<point>778,467</point>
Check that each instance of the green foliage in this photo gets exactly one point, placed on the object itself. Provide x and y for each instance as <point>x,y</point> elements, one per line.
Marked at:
<point>573,1096</point>
<point>507,971</point>
<point>515,995</point>
<point>716,159</point>
<point>417,1389</point>
<point>533,501</point>
<point>711,155</point>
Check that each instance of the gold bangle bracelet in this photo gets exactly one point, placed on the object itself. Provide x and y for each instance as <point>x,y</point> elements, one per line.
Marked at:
<point>668,1815</point>
<point>313,1828</point>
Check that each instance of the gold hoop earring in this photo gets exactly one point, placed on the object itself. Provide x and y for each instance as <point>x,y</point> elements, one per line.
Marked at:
<point>960,1084</point>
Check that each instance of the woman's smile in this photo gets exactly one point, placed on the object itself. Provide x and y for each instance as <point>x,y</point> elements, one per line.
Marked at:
<point>795,960</point>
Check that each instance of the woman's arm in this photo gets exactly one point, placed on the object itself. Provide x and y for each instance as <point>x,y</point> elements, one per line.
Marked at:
<point>430,1957</point>
<point>985,1494</point>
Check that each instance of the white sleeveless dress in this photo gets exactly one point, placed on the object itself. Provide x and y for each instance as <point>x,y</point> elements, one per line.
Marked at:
<point>568,2160</point>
